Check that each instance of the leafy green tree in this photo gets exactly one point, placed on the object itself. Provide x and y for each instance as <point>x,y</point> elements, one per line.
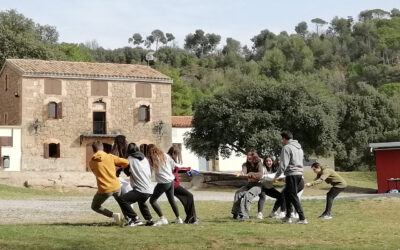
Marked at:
<point>318,23</point>
<point>365,117</point>
<point>20,37</point>
<point>136,39</point>
<point>301,29</point>
<point>169,37</point>
<point>250,115</point>
<point>201,43</point>
<point>273,63</point>
<point>181,99</point>
<point>75,52</point>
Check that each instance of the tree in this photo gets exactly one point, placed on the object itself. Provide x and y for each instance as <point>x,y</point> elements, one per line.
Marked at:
<point>169,37</point>
<point>318,23</point>
<point>365,117</point>
<point>75,52</point>
<point>200,43</point>
<point>20,37</point>
<point>136,39</point>
<point>251,115</point>
<point>273,63</point>
<point>181,100</point>
<point>301,29</point>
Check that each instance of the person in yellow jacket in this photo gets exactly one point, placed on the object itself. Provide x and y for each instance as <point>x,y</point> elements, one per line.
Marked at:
<point>331,177</point>
<point>103,167</point>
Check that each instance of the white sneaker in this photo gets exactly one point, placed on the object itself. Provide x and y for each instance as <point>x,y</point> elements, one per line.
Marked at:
<point>281,215</point>
<point>305,221</point>
<point>294,215</point>
<point>273,214</point>
<point>260,216</point>
<point>325,217</point>
<point>161,222</point>
<point>178,220</point>
<point>118,219</point>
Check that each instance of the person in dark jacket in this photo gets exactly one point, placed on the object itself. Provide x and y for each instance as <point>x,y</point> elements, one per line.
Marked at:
<point>181,193</point>
<point>331,177</point>
<point>253,169</point>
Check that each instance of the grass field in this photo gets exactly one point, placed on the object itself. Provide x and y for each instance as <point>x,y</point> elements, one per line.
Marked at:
<point>357,224</point>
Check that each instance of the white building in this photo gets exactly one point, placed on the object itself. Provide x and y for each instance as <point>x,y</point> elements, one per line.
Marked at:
<point>183,124</point>
<point>10,148</point>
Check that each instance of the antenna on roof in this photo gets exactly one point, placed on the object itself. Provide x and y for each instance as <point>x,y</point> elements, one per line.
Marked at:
<point>149,57</point>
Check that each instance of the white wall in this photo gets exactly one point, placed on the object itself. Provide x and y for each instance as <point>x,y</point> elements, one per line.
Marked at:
<point>188,157</point>
<point>13,152</point>
<point>233,163</point>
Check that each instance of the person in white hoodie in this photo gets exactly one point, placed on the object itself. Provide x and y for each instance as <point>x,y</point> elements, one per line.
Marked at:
<point>162,165</point>
<point>291,164</point>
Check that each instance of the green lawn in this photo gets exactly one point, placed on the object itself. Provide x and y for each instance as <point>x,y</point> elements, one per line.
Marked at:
<point>357,224</point>
<point>9,192</point>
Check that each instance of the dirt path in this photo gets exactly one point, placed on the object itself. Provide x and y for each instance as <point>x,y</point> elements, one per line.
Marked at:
<point>77,209</point>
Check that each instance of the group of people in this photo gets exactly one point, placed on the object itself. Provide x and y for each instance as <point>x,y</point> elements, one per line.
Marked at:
<point>261,174</point>
<point>139,163</point>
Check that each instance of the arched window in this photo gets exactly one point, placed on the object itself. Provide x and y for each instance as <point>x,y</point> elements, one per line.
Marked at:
<point>144,113</point>
<point>52,107</point>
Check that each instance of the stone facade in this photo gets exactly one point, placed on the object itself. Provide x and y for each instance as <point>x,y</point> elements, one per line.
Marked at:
<point>77,102</point>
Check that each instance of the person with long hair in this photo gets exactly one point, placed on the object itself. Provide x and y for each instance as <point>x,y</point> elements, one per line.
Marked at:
<point>119,149</point>
<point>270,168</point>
<point>253,169</point>
<point>162,165</point>
<point>140,180</point>
<point>181,193</point>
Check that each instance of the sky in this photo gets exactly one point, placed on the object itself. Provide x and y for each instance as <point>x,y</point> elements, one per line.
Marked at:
<point>112,22</point>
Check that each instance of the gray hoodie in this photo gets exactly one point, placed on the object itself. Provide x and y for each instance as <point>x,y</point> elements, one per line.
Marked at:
<point>291,159</point>
<point>140,173</point>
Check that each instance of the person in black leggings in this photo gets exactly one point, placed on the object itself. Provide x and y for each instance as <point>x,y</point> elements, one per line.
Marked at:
<point>181,193</point>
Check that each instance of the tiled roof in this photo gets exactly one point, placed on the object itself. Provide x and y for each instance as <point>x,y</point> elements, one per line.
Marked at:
<point>107,71</point>
<point>182,121</point>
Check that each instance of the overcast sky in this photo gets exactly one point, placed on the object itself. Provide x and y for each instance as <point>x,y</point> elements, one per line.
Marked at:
<point>112,22</point>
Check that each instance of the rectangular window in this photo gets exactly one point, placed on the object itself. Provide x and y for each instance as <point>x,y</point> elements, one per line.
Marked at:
<point>54,110</point>
<point>6,83</point>
<point>99,88</point>
<point>143,90</point>
<point>52,86</point>
<point>51,150</point>
<point>99,122</point>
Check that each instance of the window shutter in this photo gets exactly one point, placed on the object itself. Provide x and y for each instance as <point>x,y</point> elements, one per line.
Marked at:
<point>46,150</point>
<point>148,113</point>
<point>58,150</point>
<point>59,110</point>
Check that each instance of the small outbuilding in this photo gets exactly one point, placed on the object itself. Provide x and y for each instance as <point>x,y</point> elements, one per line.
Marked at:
<point>387,156</point>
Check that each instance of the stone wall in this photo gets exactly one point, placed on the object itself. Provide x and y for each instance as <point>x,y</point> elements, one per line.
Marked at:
<point>77,116</point>
<point>9,102</point>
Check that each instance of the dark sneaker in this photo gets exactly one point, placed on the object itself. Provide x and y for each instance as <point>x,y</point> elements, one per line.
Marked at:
<point>286,220</point>
<point>149,223</point>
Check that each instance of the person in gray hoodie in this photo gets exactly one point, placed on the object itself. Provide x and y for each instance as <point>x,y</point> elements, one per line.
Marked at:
<point>291,164</point>
<point>140,181</point>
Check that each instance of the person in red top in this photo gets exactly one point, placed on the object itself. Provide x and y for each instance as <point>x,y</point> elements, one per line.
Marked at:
<point>181,193</point>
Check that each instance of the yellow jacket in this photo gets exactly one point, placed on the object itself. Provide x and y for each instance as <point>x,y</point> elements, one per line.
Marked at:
<point>103,167</point>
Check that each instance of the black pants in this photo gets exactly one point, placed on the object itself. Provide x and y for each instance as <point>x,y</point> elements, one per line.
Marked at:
<point>141,198</point>
<point>168,189</point>
<point>126,209</point>
<point>330,196</point>
<point>272,192</point>
<point>294,184</point>
<point>187,201</point>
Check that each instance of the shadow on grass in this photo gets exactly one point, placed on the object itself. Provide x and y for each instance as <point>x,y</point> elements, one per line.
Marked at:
<point>89,224</point>
<point>252,220</point>
<point>356,190</point>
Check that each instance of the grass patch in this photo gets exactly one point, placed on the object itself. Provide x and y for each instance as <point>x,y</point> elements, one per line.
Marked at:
<point>9,192</point>
<point>353,227</point>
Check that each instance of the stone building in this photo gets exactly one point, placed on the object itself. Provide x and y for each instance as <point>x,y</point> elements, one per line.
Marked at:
<point>61,107</point>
